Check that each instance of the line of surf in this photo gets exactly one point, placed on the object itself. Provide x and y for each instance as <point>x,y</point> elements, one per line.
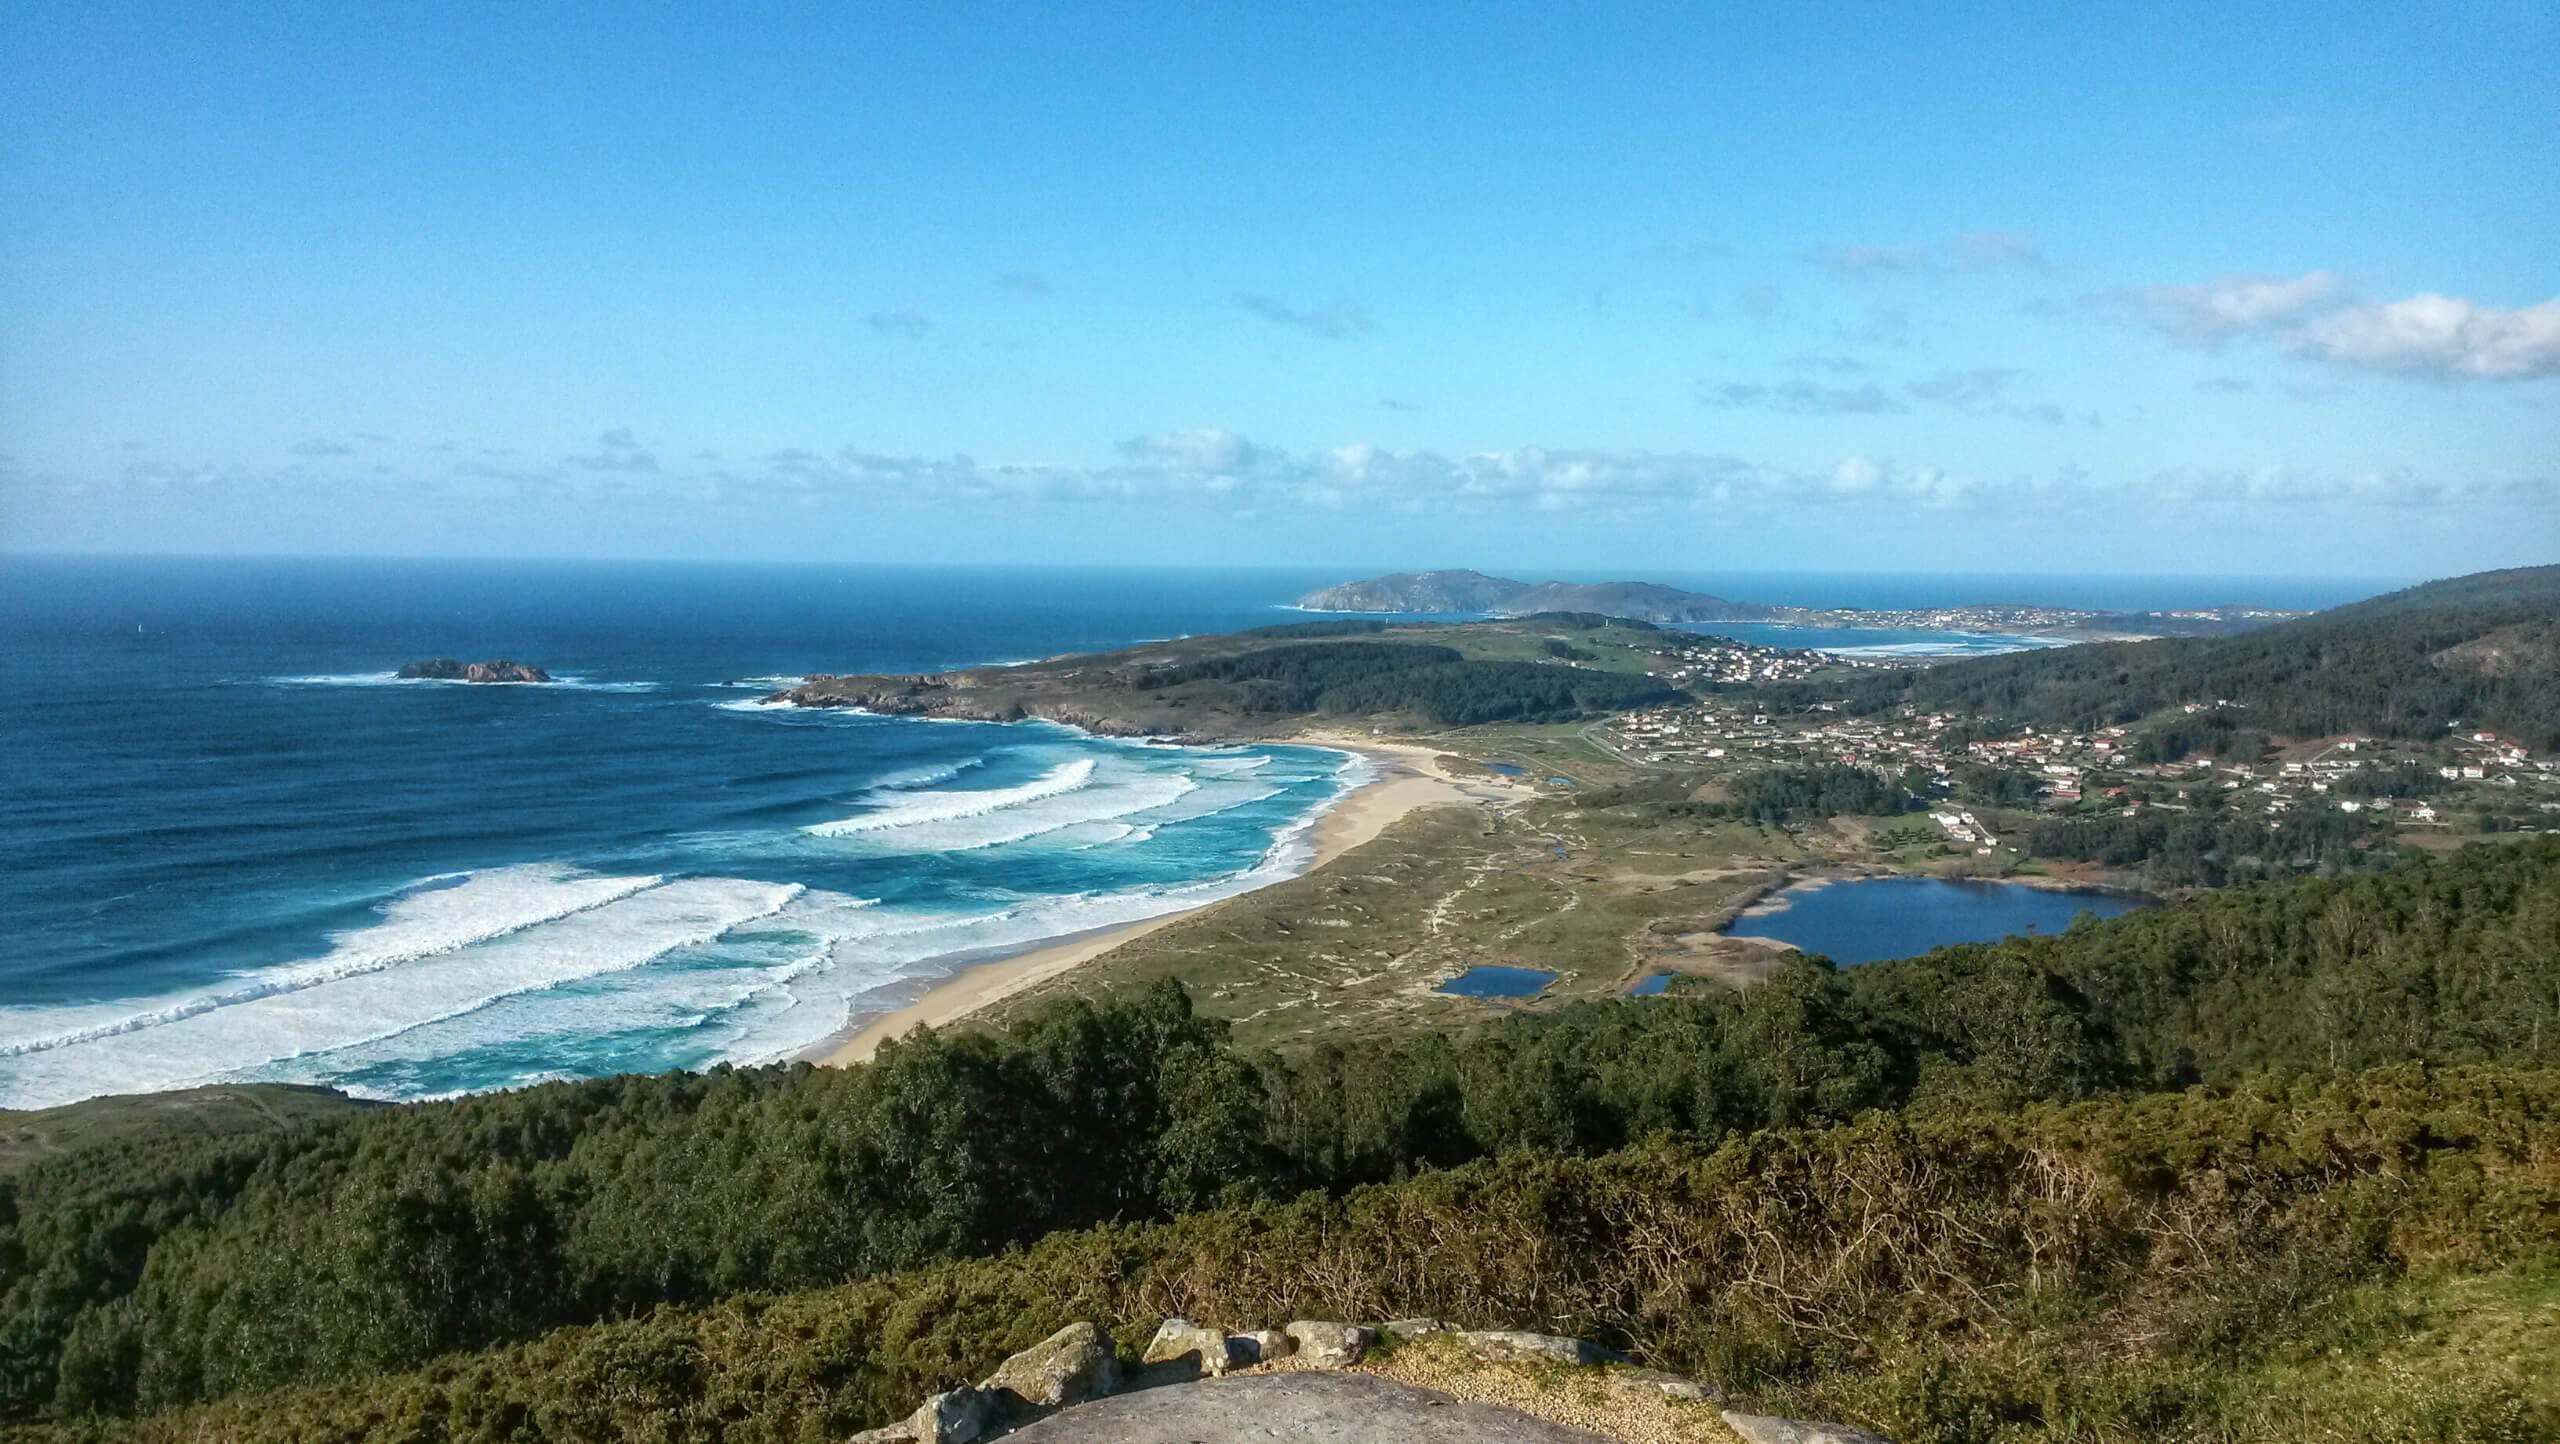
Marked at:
<point>422,923</point>
<point>906,809</point>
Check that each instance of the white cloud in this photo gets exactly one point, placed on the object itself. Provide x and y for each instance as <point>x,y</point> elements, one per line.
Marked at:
<point>1204,451</point>
<point>2209,315</point>
<point>1974,250</point>
<point>2319,317</point>
<point>910,324</point>
<point>1335,320</point>
<point>2432,335</point>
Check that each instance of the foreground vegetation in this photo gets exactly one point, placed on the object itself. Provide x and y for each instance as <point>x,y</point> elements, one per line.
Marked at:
<point>1812,1190</point>
<point>2367,1256</point>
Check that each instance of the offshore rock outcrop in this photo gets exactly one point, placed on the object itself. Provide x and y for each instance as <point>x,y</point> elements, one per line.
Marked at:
<point>446,669</point>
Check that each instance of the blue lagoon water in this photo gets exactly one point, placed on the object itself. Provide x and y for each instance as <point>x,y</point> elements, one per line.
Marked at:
<point>1868,919</point>
<point>1488,980</point>
<point>238,849</point>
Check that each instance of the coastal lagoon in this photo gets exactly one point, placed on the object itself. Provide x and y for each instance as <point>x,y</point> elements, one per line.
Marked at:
<point>1869,919</point>
<point>1489,980</point>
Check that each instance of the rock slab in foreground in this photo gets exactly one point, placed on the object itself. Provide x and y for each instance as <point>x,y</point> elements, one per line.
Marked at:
<point>1765,1429</point>
<point>1302,1408</point>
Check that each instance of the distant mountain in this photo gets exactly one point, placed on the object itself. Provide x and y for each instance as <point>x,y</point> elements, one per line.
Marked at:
<point>1469,591</point>
<point>1445,591</point>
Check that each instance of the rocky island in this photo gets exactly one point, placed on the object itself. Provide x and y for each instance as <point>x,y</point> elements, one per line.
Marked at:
<point>446,669</point>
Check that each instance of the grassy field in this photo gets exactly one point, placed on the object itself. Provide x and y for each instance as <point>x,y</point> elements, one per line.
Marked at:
<point>1599,896</point>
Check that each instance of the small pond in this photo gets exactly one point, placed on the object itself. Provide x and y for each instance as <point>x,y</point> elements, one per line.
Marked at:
<point>1503,769</point>
<point>1652,984</point>
<point>1486,981</point>
<point>1866,919</point>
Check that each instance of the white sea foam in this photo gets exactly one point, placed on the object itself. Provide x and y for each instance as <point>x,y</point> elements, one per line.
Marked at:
<point>1209,800</point>
<point>251,1035</point>
<point>927,776</point>
<point>415,925</point>
<point>1095,801</point>
<point>516,973</point>
<point>907,809</point>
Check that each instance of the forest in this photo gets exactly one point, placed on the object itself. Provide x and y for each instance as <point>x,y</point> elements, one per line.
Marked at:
<point>153,1275</point>
<point>1438,684</point>
<point>2207,843</point>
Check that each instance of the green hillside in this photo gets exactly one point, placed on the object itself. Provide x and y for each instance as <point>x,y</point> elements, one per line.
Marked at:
<point>2394,666</point>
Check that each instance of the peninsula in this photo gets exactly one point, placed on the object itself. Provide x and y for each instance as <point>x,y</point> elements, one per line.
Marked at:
<point>1470,591</point>
<point>1264,683</point>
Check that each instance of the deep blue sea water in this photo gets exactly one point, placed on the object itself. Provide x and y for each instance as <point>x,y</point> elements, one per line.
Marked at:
<point>1868,919</point>
<point>234,848</point>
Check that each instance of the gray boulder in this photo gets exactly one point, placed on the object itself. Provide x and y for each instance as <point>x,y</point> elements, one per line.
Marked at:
<point>957,1417</point>
<point>1072,1365</point>
<point>1264,1346</point>
<point>1663,1384</point>
<point>1178,1339</point>
<point>1507,1346</point>
<point>1329,1345</point>
<point>1764,1429</point>
<point>1413,1328</point>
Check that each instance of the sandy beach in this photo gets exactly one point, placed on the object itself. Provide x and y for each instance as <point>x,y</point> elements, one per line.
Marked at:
<point>1408,777</point>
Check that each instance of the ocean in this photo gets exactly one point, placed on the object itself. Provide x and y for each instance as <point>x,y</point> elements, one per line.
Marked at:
<point>236,848</point>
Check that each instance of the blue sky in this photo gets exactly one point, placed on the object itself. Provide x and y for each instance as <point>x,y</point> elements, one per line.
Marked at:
<point>2261,288</point>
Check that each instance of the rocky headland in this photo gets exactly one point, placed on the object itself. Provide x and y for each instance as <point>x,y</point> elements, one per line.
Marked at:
<point>446,669</point>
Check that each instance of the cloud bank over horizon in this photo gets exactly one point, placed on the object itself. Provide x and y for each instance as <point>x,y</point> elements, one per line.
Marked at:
<point>1586,506</point>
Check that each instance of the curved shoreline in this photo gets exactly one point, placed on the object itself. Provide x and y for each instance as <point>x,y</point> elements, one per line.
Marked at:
<point>1407,779</point>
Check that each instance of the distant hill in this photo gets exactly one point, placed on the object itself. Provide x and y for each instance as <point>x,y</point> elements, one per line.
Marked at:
<point>1643,601</point>
<point>2480,651</point>
<point>1445,591</point>
<point>1470,591</point>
